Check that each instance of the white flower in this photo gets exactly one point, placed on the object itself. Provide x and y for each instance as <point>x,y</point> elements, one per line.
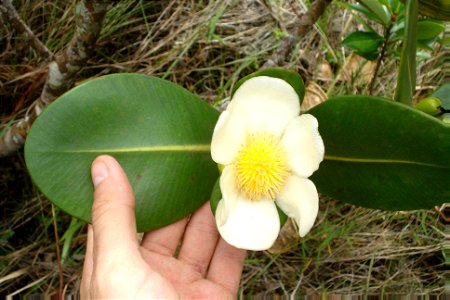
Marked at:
<point>268,151</point>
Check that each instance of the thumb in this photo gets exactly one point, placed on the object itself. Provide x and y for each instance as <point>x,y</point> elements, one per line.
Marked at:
<point>113,218</point>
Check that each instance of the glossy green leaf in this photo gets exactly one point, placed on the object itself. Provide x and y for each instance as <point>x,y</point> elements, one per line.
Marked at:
<point>159,132</point>
<point>406,78</point>
<point>365,44</point>
<point>377,8</point>
<point>443,93</point>
<point>382,154</point>
<point>293,78</point>
<point>427,30</point>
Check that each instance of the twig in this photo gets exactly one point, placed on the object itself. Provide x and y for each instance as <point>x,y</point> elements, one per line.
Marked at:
<point>387,33</point>
<point>61,71</point>
<point>302,25</point>
<point>9,13</point>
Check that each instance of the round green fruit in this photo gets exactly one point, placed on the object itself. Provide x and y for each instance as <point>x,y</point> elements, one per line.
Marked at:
<point>430,105</point>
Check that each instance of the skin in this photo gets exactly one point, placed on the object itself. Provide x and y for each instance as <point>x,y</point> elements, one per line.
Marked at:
<point>118,266</point>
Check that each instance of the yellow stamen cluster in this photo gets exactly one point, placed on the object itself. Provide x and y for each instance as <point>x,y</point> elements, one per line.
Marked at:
<point>261,166</point>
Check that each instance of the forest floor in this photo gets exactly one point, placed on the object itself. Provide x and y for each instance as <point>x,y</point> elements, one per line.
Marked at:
<point>206,46</point>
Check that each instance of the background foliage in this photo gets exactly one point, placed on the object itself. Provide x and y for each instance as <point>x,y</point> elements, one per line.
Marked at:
<point>206,47</point>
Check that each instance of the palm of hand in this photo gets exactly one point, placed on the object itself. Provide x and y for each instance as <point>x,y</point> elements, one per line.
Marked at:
<point>117,266</point>
<point>184,280</point>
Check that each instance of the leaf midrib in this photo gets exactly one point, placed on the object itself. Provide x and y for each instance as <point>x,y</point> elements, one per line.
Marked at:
<point>207,148</point>
<point>382,161</point>
<point>159,148</point>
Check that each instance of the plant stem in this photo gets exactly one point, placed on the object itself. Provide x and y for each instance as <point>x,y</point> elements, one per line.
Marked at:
<point>58,253</point>
<point>387,33</point>
<point>406,78</point>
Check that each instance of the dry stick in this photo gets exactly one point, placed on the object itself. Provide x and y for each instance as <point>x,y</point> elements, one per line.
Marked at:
<point>61,71</point>
<point>302,24</point>
<point>9,13</point>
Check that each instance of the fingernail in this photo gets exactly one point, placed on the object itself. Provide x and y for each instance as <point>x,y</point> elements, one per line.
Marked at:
<point>99,172</point>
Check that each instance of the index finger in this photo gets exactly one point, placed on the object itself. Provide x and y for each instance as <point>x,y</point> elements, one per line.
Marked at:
<point>226,266</point>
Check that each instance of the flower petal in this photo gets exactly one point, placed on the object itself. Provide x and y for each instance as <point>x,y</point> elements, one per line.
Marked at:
<point>229,189</point>
<point>269,104</point>
<point>251,225</point>
<point>304,146</point>
<point>228,137</point>
<point>299,200</point>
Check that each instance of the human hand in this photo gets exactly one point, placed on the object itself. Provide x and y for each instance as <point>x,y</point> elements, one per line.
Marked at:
<point>117,266</point>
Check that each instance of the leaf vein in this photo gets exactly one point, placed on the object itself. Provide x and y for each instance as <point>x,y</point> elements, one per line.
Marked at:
<point>382,161</point>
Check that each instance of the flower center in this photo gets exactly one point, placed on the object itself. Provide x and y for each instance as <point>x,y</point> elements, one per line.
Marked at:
<point>261,166</point>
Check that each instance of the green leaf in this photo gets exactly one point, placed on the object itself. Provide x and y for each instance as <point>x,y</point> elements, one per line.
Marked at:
<point>291,77</point>
<point>365,44</point>
<point>216,196</point>
<point>443,93</point>
<point>361,9</point>
<point>427,30</point>
<point>426,45</point>
<point>394,6</point>
<point>378,9</point>
<point>382,154</point>
<point>361,20</point>
<point>406,78</point>
<point>159,132</point>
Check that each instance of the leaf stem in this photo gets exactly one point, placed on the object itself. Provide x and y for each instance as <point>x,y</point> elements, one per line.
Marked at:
<point>387,33</point>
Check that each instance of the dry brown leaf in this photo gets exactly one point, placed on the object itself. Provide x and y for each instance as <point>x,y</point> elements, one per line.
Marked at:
<point>360,68</point>
<point>324,72</point>
<point>287,239</point>
<point>314,95</point>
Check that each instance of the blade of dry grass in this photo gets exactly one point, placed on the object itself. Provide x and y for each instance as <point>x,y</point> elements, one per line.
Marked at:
<point>13,275</point>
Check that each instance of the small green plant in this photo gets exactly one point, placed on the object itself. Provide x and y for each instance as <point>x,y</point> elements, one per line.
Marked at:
<point>390,15</point>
